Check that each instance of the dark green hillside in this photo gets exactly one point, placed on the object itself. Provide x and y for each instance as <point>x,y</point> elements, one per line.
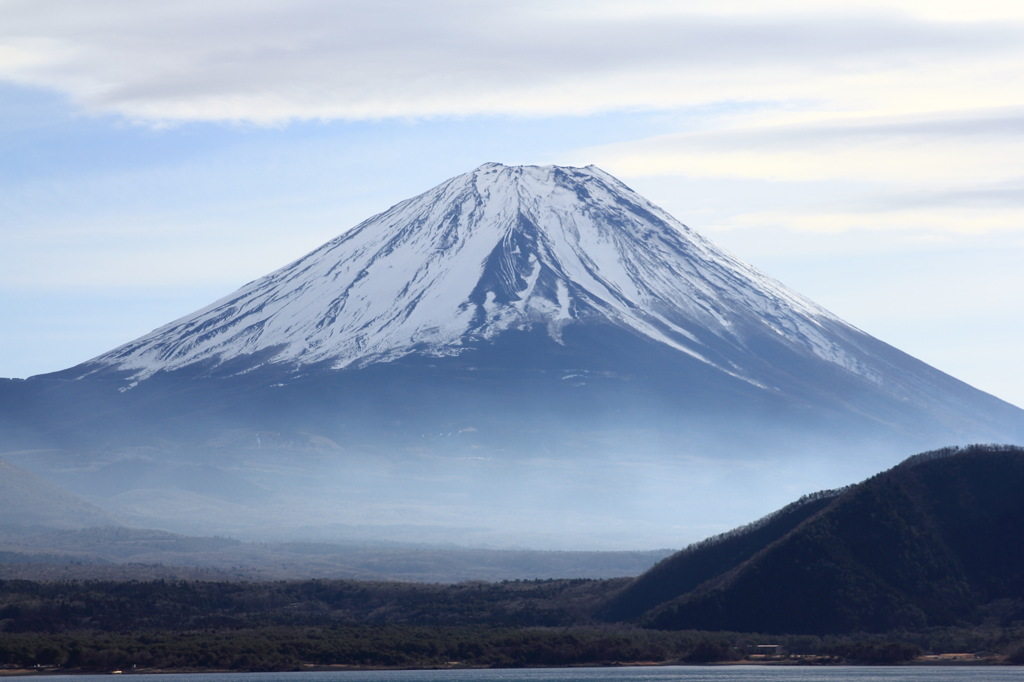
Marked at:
<point>936,541</point>
<point>702,561</point>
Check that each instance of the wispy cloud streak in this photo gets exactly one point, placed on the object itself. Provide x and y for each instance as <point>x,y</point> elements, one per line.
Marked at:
<point>306,59</point>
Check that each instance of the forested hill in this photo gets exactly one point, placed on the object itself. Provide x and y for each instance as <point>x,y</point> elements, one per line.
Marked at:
<point>937,540</point>
<point>923,557</point>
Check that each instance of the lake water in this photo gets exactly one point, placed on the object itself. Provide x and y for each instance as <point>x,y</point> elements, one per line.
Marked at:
<point>625,674</point>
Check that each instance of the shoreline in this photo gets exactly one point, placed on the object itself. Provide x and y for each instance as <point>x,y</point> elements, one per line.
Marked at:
<point>928,661</point>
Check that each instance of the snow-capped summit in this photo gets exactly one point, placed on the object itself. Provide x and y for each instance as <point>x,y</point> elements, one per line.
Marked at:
<point>495,249</point>
<point>517,345</point>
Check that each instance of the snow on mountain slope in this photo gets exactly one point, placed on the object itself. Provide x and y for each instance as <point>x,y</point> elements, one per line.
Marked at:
<point>497,248</point>
<point>516,345</point>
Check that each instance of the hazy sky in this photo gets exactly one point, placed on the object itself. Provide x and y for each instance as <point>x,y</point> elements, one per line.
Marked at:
<point>155,156</point>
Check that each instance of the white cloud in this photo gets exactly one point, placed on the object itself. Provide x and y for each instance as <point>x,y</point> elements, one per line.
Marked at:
<point>978,147</point>
<point>301,59</point>
<point>958,172</point>
<point>931,224</point>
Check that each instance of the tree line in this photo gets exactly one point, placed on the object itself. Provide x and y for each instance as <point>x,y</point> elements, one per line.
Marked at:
<point>288,625</point>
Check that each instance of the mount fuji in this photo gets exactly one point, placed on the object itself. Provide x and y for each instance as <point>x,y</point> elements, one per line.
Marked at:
<point>521,355</point>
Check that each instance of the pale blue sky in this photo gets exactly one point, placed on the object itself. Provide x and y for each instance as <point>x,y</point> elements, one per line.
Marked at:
<point>154,157</point>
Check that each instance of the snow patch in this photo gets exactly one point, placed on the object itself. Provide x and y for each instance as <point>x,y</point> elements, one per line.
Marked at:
<point>565,240</point>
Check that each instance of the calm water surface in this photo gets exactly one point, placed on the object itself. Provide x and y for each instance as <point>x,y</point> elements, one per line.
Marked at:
<point>627,674</point>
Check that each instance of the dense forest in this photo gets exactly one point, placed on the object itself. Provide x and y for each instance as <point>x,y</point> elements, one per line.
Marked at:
<point>192,625</point>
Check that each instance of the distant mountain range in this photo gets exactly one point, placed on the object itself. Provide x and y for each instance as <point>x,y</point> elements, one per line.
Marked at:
<point>516,345</point>
<point>935,541</point>
<point>119,553</point>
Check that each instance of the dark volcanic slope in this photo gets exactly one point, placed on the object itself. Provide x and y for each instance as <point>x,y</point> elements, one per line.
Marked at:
<point>517,344</point>
<point>937,540</point>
